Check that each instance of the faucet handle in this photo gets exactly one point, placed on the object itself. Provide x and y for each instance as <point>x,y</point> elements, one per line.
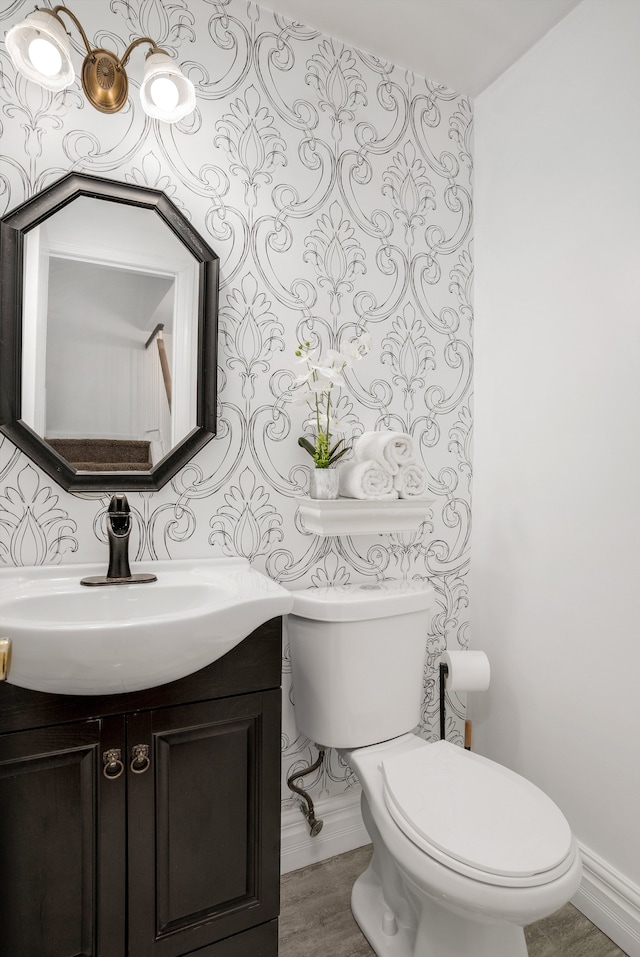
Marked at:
<point>119,504</point>
<point>119,516</point>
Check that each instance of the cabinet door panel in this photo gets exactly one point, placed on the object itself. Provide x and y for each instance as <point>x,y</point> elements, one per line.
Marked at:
<point>206,871</point>
<point>49,841</point>
<point>206,855</point>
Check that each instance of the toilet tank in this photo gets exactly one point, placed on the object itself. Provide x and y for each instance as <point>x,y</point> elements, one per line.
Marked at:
<point>358,655</point>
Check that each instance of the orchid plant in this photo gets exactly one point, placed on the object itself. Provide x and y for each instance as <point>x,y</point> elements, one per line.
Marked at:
<point>315,388</point>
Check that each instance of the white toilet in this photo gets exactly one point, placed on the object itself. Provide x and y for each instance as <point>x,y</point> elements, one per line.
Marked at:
<point>466,852</point>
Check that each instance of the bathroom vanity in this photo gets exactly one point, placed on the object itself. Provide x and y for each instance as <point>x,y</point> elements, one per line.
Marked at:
<point>145,824</point>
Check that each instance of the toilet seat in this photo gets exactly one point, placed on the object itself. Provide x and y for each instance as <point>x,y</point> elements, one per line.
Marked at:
<point>475,816</point>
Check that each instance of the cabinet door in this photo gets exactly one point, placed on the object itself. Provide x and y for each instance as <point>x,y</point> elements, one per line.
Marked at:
<point>204,823</point>
<point>61,843</point>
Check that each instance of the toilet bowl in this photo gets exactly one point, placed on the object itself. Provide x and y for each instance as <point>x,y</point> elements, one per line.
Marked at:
<point>466,852</point>
<point>475,896</point>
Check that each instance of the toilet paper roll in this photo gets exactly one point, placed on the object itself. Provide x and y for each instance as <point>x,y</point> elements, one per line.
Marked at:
<point>468,670</point>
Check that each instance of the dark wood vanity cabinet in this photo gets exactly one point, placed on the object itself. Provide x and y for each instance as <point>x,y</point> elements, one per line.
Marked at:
<point>145,824</point>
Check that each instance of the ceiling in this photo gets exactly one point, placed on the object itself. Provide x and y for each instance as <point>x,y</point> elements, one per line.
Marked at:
<point>464,44</point>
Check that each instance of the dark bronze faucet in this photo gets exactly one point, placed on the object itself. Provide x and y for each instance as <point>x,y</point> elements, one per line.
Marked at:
<point>118,532</point>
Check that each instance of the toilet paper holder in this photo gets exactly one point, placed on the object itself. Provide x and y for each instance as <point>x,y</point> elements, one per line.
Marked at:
<point>466,671</point>
<point>444,674</point>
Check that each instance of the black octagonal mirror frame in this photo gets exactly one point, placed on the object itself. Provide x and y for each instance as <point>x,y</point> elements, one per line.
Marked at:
<point>13,229</point>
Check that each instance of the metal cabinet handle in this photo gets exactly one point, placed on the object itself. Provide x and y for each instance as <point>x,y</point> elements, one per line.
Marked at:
<point>140,760</point>
<point>113,766</point>
<point>5,658</point>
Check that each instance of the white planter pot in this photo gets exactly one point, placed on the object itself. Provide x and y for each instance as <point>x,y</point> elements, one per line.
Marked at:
<point>323,483</point>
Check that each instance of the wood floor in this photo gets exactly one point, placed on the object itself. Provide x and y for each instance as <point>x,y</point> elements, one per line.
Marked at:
<point>316,918</point>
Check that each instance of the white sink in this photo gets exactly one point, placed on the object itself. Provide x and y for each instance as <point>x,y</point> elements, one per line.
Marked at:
<point>67,638</point>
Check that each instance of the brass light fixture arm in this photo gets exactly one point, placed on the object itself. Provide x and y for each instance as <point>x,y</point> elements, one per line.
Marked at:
<point>154,49</point>
<point>123,60</point>
<point>62,9</point>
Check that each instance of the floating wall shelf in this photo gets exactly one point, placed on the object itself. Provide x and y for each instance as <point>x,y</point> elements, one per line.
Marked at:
<point>354,516</point>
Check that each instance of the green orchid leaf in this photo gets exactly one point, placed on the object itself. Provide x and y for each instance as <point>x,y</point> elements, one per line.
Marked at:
<point>307,446</point>
<point>334,458</point>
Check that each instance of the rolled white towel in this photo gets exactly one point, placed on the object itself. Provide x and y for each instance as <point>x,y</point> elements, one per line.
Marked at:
<point>391,450</point>
<point>365,480</point>
<point>411,481</point>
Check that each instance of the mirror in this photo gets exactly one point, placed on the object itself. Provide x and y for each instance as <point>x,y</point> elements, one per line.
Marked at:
<point>108,328</point>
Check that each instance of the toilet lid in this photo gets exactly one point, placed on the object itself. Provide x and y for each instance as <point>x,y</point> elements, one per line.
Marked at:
<point>474,811</point>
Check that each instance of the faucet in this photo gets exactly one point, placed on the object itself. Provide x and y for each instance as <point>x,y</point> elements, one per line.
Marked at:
<point>118,532</point>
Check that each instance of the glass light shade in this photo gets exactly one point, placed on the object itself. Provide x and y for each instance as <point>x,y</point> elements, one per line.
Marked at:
<point>39,48</point>
<point>166,93</point>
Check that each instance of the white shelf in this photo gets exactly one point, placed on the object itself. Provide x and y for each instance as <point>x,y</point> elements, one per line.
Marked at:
<point>354,516</point>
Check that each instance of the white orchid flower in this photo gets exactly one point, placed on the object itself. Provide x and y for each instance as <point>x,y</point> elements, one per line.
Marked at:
<point>357,348</point>
<point>328,371</point>
<point>337,359</point>
<point>316,421</point>
<point>302,378</point>
<point>300,397</point>
<point>350,355</point>
<point>336,424</point>
<point>325,382</point>
<point>326,423</point>
<point>364,343</point>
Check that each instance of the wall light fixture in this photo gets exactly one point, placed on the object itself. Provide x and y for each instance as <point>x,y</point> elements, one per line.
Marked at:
<point>40,50</point>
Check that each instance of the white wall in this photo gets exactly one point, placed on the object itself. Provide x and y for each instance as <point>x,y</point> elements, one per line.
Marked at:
<point>98,322</point>
<point>556,545</point>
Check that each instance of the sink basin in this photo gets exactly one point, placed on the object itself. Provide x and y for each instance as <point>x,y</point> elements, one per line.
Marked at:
<point>70,639</point>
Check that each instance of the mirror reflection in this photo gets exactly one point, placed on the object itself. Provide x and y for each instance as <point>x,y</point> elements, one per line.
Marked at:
<point>109,336</point>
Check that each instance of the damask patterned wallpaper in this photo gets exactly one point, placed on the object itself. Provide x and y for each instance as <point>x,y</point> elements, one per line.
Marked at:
<point>336,189</point>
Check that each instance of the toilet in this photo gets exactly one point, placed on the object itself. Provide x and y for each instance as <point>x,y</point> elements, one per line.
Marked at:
<point>465,852</point>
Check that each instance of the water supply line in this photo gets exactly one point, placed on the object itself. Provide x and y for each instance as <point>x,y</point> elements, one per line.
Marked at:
<point>315,826</point>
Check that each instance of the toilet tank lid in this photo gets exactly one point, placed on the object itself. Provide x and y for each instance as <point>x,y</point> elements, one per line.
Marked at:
<point>361,602</point>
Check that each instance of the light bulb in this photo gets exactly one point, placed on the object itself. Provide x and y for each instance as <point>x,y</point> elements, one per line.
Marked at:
<point>164,93</point>
<point>45,57</point>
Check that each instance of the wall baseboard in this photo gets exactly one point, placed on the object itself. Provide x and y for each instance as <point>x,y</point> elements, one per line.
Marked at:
<point>343,830</point>
<point>610,901</point>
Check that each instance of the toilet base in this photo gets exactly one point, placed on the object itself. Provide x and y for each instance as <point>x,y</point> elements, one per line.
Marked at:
<point>370,909</point>
<point>440,933</point>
